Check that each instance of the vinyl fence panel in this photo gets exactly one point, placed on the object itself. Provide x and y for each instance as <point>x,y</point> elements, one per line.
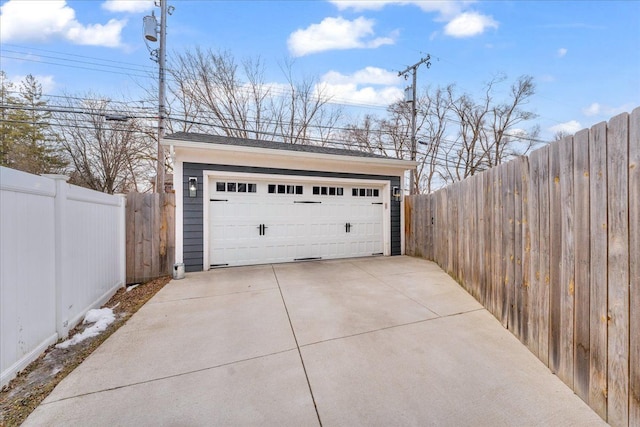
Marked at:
<point>61,254</point>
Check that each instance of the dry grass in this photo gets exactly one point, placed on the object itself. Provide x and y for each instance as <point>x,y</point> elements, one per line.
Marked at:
<point>24,393</point>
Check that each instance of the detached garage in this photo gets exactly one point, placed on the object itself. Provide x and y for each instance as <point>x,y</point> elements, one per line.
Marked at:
<point>244,202</point>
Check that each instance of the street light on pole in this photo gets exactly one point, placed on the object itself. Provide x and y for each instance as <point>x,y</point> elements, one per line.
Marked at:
<point>154,31</point>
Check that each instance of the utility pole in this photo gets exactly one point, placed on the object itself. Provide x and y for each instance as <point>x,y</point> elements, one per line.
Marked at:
<point>414,71</point>
<point>158,32</point>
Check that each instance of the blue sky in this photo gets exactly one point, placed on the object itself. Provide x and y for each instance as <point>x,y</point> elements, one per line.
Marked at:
<point>584,55</point>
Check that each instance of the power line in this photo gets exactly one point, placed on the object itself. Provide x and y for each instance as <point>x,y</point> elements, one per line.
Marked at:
<point>440,161</point>
<point>79,98</point>
<point>151,68</point>
<point>106,112</point>
<point>80,62</point>
<point>136,68</point>
<point>209,115</point>
<point>76,66</point>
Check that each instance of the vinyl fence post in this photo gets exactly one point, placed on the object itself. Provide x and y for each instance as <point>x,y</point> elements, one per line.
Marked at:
<point>122,244</point>
<point>61,260</point>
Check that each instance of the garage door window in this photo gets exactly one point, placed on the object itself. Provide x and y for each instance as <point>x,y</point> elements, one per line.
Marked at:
<point>365,192</point>
<point>328,191</point>
<point>284,189</point>
<point>236,187</point>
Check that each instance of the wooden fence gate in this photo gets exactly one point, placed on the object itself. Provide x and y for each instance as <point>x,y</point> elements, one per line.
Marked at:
<point>150,235</point>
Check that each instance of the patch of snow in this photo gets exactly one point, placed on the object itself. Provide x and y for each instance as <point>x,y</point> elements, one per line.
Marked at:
<point>101,319</point>
<point>130,288</point>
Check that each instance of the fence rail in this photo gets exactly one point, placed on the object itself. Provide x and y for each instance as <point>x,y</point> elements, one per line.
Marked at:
<point>61,254</point>
<point>550,244</point>
<point>150,238</point>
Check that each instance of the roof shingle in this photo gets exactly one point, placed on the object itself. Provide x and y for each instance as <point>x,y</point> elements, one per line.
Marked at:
<point>272,145</point>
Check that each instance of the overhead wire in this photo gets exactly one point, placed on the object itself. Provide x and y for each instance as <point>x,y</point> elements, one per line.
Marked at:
<point>272,89</point>
<point>135,69</point>
<point>229,129</point>
<point>441,161</point>
<point>78,55</point>
<point>150,70</point>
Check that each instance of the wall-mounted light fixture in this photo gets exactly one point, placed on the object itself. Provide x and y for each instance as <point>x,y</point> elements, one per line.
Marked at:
<point>193,186</point>
<point>397,194</point>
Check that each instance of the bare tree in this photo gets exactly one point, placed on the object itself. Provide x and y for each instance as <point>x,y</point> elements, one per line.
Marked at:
<point>391,136</point>
<point>432,135</point>
<point>560,135</point>
<point>508,140</point>
<point>213,93</point>
<point>458,135</point>
<point>467,154</point>
<point>107,148</point>
<point>489,132</point>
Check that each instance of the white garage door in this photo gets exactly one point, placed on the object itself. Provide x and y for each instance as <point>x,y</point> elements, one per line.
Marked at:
<point>258,222</point>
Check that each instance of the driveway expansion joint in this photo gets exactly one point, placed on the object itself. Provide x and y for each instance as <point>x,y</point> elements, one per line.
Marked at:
<point>215,296</point>
<point>208,368</point>
<point>396,289</point>
<point>393,327</point>
<point>304,368</point>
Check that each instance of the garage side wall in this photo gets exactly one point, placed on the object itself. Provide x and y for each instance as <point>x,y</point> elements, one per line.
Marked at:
<point>193,226</point>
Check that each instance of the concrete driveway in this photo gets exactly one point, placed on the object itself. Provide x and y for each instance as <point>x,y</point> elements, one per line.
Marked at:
<point>371,341</point>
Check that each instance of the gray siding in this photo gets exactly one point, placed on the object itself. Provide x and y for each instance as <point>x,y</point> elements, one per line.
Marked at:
<point>193,241</point>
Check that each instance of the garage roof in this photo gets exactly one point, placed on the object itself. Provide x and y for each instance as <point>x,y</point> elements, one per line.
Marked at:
<point>202,148</point>
<point>271,145</point>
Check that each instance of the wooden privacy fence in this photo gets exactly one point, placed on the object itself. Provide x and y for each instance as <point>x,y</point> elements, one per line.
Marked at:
<point>150,235</point>
<point>550,244</point>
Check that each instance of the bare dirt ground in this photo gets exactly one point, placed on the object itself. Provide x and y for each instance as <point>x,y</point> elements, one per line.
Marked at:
<point>24,393</point>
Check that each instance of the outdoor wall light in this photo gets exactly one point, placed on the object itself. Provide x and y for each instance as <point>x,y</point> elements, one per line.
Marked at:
<point>397,194</point>
<point>193,186</point>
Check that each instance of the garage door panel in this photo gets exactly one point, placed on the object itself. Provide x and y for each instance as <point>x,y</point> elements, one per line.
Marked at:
<point>298,226</point>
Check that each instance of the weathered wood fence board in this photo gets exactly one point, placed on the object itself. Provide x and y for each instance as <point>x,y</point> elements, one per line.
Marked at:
<point>150,235</point>
<point>550,245</point>
<point>525,257</point>
<point>555,254</point>
<point>543,265</point>
<point>534,252</point>
<point>634,269</point>
<point>618,270</point>
<point>598,269</point>
<point>567,263</point>
<point>582,281</point>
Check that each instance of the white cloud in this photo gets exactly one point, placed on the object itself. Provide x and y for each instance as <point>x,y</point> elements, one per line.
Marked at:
<point>368,75</point>
<point>469,24</point>
<point>569,127</point>
<point>40,21</point>
<point>561,52</point>
<point>370,86</point>
<point>336,33</point>
<point>128,6</point>
<point>96,34</point>
<point>47,82</point>
<point>596,109</point>
<point>351,94</point>
<point>592,110</point>
<point>460,23</point>
<point>446,8</point>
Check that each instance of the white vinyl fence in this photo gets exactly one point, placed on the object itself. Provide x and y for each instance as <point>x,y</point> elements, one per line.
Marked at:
<point>62,253</point>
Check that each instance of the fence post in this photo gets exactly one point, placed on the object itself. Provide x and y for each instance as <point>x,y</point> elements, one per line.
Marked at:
<point>122,247</point>
<point>60,214</point>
